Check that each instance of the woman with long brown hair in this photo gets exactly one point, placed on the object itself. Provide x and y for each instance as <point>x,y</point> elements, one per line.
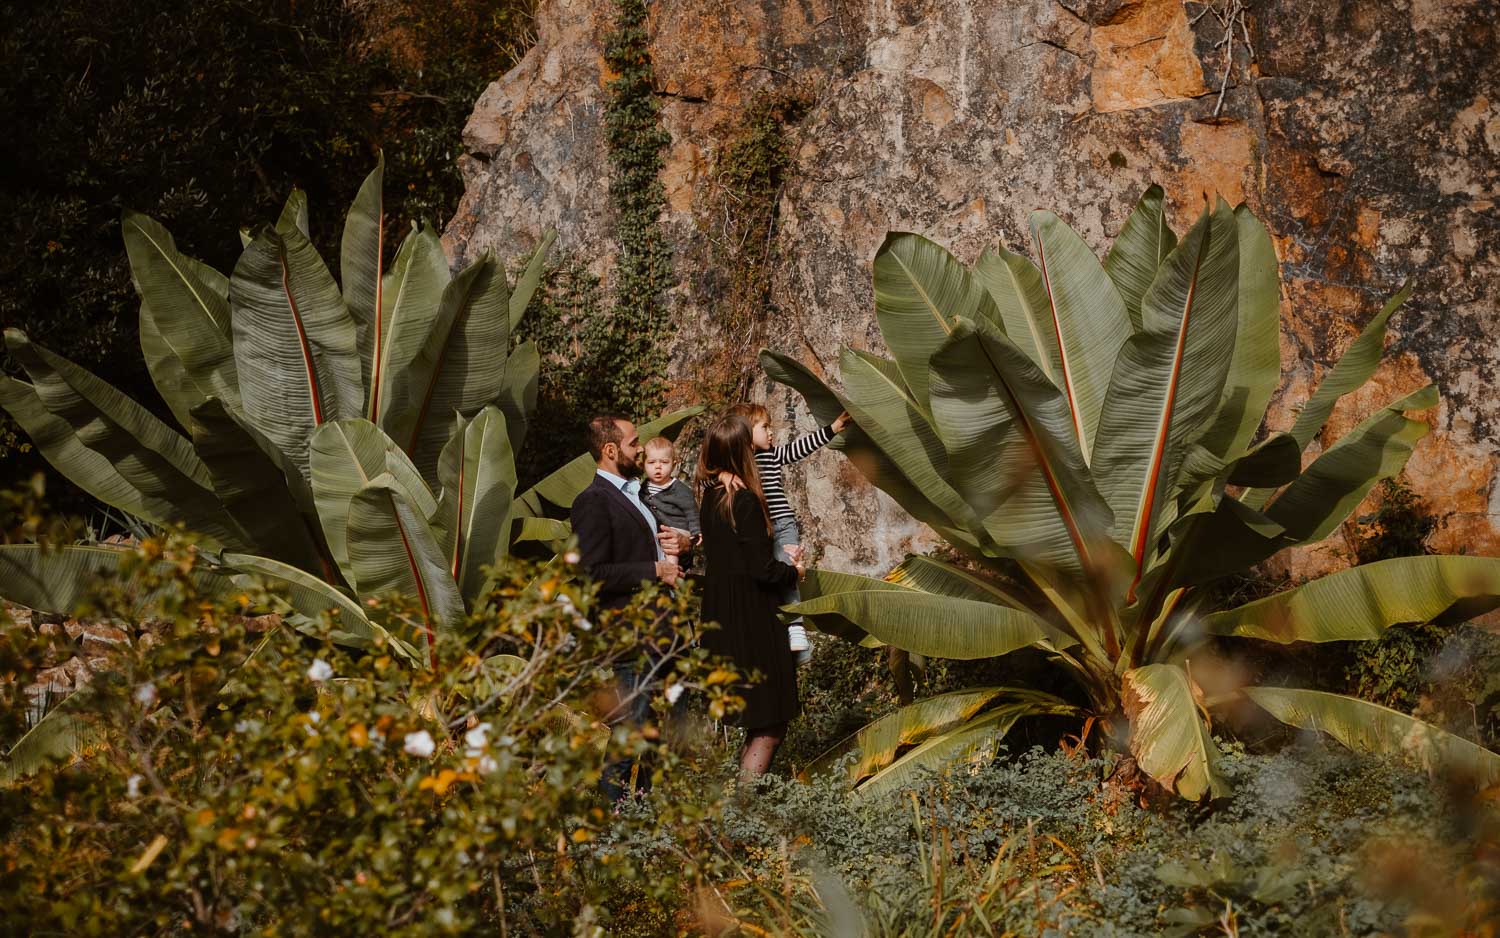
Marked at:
<point>741,584</point>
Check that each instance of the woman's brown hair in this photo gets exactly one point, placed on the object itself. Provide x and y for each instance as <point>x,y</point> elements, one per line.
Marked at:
<point>727,448</point>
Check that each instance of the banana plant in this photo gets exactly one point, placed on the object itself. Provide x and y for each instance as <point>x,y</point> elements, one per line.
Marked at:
<point>341,440</point>
<point>1094,430</point>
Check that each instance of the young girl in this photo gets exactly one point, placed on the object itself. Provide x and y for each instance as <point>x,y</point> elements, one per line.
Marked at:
<point>742,586</point>
<point>769,460</point>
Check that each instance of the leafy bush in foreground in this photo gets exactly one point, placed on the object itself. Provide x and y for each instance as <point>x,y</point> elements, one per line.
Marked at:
<point>243,777</point>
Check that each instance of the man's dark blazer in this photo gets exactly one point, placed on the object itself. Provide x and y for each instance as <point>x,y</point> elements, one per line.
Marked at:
<point>616,545</point>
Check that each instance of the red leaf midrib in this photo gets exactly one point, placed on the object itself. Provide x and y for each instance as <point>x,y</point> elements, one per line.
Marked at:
<point>306,346</point>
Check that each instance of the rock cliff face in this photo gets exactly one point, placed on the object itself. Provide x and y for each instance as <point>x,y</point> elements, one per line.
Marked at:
<point>1366,133</point>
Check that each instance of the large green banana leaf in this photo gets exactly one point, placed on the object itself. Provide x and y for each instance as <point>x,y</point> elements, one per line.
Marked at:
<point>1167,736</point>
<point>878,742</point>
<point>112,447</point>
<point>185,319</point>
<point>62,734</point>
<point>1019,294</point>
<point>294,343</point>
<point>1230,538</point>
<point>862,451</point>
<point>1088,317</point>
<point>459,369</point>
<point>1013,449</point>
<point>107,421</point>
<point>1168,380</point>
<point>1350,373</point>
<point>935,625</point>
<point>1363,601</point>
<point>362,267</point>
<point>346,456</point>
<point>64,580</point>
<point>919,289</point>
<point>411,302</point>
<point>821,583</point>
<point>167,372</point>
<point>563,485</point>
<point>968,744</point>
<point>517,397</point>
<point>1139,251</point>
<point>392,550</point>
<point>902,427</point>
<point>530,278</point>
<point>478,474</point>
<point>293,215</point>
<point>260,489</point>
<point>310,598</point>
<point>1319,499</point>
<point>931,575</point>
<point>1369,727</point>
<point>93,472</point>
<point>1255,368</point>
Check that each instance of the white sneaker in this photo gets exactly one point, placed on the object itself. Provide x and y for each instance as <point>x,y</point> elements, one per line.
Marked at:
<point>797,637</point>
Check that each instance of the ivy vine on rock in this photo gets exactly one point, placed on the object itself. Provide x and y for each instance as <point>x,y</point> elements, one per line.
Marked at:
<point>637,361</point>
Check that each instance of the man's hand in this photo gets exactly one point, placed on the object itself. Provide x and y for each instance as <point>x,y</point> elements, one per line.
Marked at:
<point>674,541</point>
<point>668,572</point>
<point>841,421</point>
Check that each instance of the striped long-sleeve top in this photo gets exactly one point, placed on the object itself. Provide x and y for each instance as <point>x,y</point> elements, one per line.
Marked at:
<point>768,463</point>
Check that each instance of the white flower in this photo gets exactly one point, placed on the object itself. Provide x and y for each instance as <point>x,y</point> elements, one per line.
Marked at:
<point>420,744</point>
<point>314,716</point>
<point>145,695</point>
<point>583,623</point>
<point>572,557</point>
<point>133,786</point>
<point>247,726</point>
<point>478,736</point>
<point>320,671</point>
<point>674,692</point>
<point>487,765</point>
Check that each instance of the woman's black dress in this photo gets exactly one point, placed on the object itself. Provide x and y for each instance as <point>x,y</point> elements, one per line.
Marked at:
<point>741,586</point>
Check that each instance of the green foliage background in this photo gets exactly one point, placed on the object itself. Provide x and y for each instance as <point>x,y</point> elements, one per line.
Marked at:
<point>205,115</point>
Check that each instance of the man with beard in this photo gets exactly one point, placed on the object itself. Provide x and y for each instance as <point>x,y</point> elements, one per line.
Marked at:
<point>622,546</point>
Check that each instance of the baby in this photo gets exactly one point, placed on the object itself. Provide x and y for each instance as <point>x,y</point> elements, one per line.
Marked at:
<point>784,532</point>
<point>670,498</point>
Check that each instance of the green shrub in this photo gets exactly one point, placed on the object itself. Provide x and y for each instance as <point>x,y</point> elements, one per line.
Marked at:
<point>1320,842</point>
<point>246,778</point>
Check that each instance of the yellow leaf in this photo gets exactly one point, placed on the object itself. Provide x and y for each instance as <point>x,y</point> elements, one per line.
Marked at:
<point>720,676</point>
<point>581,836</point>
<point>150,854</point>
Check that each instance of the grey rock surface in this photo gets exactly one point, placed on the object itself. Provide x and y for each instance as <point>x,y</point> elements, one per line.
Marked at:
<point>1364,132</point>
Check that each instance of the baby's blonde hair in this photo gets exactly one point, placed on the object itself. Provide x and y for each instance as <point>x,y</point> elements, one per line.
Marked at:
<point>658,444</point>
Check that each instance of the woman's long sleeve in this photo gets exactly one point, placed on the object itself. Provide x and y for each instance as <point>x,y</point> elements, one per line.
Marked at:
<point>755,542</point>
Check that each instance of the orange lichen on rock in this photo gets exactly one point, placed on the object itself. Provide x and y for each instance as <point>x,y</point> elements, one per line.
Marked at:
<point>1218,160</point>
<point>1145,57</point>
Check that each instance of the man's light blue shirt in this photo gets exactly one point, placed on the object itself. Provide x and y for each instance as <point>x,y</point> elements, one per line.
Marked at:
<point>632,490</point>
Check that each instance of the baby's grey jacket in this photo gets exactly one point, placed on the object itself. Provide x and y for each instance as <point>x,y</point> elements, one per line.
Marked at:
<point>675,506</point>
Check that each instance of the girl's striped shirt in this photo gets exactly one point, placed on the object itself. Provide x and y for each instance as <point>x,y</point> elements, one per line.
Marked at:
<point>768,463</point>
